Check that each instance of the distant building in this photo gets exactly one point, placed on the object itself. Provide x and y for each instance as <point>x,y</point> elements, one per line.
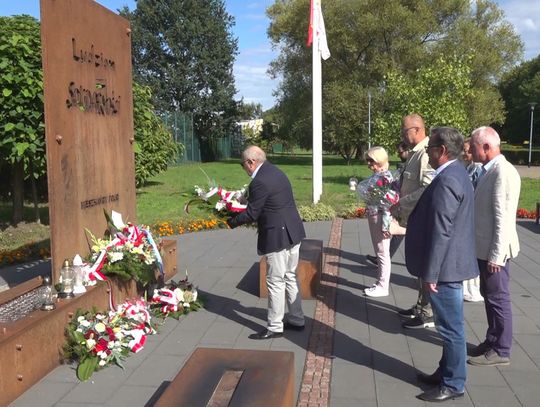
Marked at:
<point>254,125</point>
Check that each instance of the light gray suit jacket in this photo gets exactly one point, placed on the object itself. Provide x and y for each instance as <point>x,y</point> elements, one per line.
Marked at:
<point>416,176</point>
<point>495,206</point>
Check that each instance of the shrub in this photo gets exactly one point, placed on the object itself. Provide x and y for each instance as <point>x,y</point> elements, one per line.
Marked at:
<point>320,211</point>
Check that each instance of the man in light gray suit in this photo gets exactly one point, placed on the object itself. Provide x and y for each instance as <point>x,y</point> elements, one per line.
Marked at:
<point>439,249</point>
<point>496,201</point>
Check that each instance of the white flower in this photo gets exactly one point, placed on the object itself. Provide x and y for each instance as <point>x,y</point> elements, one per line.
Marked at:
<point>220,205</point>
<point>102,362</point>
<point>79,330</point>
<point>85,323</point>
<point>90,343</point>
<point>80,319</point>
<point>115,256</point>
<point>186,305</point>
<point>179,295</point>
<point>100,317</point>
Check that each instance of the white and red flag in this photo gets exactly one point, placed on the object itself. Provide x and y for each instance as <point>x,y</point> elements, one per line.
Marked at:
<point>316,29</point>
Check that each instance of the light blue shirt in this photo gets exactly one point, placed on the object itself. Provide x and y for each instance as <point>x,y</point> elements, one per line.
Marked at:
<point>256,171</point>
<point>442,167</point>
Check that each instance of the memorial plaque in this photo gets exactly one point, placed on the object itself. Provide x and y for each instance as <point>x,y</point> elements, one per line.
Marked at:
<point>88,121</point>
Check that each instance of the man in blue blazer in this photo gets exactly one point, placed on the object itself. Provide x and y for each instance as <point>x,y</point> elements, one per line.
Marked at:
<point>280,231</point>
<point>440,249</point>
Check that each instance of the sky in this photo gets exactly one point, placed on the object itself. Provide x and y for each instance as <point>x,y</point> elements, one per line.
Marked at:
<point>255,51</point>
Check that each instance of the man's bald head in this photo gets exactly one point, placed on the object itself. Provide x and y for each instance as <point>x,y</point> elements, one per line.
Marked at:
<point>254,153</point>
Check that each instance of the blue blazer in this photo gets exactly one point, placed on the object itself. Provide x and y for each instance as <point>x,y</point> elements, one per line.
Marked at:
<point>440,239</point>
<point>271,204</point>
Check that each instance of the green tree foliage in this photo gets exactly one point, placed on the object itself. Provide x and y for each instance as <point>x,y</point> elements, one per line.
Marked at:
<point>155,147</point>
<point>22,141</point>
<point>184,50</point>
<point>442,92</point>
<point>519,88</point>
<point>370,39</point>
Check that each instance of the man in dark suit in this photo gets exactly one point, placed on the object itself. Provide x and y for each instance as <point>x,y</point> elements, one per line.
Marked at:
<point>271,204</point>
<point>440,249</point>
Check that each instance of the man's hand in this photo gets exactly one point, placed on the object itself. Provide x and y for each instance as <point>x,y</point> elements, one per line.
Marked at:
<point>493,268</point>
<point>430,287</point>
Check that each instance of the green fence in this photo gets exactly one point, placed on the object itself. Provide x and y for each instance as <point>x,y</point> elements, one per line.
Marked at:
<point>181,126</point>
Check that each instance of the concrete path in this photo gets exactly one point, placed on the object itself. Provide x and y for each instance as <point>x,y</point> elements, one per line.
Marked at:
<point>373,359</point>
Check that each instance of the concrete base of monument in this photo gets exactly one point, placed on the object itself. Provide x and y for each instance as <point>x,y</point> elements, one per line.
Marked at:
<point>31,347</point>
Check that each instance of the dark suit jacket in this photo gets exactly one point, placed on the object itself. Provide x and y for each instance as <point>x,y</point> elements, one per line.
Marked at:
<point>271,204</point>
<point>440,239</point>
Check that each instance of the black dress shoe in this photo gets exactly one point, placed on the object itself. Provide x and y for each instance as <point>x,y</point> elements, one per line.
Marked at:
<point>439,394</point>
<point>291,327</point>
<point>434,378</point>
<point>266,334</point>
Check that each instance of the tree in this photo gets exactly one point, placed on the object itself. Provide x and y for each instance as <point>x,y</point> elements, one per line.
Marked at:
<point>184,51</point>
<point>247,111</point>
<point>22,141</point>
<point>155,147</point>
<point>447,82</point>
<point>519,88</point>
<point>369,39</point>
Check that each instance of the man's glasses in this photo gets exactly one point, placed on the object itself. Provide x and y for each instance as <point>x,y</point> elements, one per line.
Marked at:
<point>432,146</point>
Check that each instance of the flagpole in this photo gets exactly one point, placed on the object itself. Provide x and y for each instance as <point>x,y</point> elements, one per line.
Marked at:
<point>317,117</point>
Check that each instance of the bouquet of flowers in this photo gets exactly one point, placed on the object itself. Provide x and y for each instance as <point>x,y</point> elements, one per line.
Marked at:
<point>175,300</point>
<point>128,252</point>
<point>223,201</point>
<point>380,193</point>
<point>97,339</point>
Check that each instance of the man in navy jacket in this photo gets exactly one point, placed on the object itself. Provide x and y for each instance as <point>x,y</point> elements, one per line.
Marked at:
<point>440,249</point>
<point>280,231</point>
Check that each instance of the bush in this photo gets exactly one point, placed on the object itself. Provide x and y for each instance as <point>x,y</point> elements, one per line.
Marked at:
<point>320,211</point>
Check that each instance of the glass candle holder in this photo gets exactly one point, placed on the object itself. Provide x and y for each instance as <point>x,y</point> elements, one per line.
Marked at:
<point>68,277</point>
<point>47,297</point>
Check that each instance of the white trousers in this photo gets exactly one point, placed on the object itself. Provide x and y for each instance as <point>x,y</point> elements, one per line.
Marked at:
<point>283,285</point>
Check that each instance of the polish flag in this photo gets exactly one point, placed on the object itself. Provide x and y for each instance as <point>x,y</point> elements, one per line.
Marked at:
<point>316,29</point>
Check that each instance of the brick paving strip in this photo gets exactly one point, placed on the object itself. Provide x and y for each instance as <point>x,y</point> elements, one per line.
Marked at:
<point>315,386</point>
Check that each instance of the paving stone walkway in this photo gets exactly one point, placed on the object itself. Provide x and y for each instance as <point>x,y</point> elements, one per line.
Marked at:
<point>372,360</point>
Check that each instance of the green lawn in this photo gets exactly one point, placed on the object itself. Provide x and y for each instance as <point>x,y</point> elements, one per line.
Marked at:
<point>165,195</point>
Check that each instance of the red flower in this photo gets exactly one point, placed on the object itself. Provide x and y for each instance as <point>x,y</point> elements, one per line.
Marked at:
<point>101,346</point>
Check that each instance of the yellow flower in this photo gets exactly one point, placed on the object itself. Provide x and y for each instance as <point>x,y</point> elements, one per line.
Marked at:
<point>100,327</point>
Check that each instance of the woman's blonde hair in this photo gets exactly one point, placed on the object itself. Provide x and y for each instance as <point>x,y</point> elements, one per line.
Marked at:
<point>379,155</point>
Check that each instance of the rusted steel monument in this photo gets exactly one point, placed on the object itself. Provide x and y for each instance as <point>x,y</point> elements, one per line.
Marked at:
<point>88,121</point>
<point>90,164</point>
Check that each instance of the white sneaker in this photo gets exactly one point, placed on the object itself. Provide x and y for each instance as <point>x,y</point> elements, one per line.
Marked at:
<point>376,291</point>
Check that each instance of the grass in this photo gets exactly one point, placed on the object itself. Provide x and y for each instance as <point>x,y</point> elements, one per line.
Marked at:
<point>165,195</point>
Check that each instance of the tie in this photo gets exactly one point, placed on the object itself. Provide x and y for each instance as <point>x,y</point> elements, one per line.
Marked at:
<point>479,173</point>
